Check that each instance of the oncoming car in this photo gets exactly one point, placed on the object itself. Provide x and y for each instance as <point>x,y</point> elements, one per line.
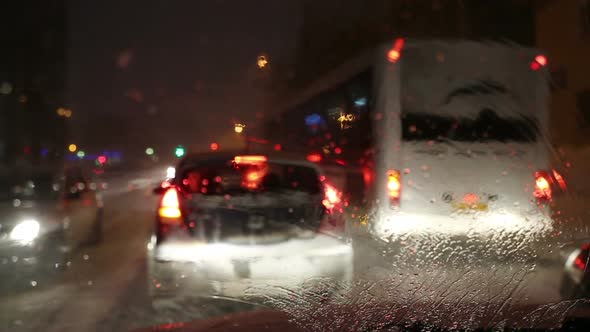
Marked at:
<point>226,223</point>
<point>46,216</point>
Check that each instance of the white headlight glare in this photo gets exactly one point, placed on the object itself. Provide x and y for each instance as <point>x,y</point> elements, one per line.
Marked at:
<point>170,172</point>
<point>25,231</point>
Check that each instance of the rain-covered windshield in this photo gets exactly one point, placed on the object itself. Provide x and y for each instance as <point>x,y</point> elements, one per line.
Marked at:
<point>328,165</point>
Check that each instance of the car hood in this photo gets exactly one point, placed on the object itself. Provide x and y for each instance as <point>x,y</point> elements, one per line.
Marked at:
<point>258,320</point>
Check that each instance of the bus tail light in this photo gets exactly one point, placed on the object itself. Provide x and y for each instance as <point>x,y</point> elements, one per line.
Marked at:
<point>394,186</point>
<point>543,186</point>
<point>394,54</point>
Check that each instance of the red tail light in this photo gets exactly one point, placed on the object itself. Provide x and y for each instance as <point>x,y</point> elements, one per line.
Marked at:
<point>541,59</point>
<point>542,186</point>
<point>538,62</point>
<point>170,205</point>
<point>253,178</point>
<point>253,160</point>
<point>332,196</point>
<point>314,157</point>
<point>581,262</point>
<point>395,53</point>
<point>394,185</point>
<point>560,180</point>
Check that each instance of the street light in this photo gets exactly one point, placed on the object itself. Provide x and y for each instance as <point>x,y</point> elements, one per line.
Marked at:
<point>239,128</point>
<point>262,61</point>
<point>64,112</point>
<point>149,151</point>
<point>72,147</point>
<point>81,154</point>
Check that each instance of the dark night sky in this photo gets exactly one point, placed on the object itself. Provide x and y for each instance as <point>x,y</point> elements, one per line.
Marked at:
<point>190,60</point>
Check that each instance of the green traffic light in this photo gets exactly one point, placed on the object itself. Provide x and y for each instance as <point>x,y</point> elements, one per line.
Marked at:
<point>179,151</point>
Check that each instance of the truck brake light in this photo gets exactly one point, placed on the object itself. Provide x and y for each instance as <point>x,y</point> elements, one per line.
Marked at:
<point>250,159</point>
<point>170,204</point>
<point>332,196</point>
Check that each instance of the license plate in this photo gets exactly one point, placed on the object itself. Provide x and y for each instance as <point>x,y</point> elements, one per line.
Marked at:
<point>256,222</point>
<point>461,206</point>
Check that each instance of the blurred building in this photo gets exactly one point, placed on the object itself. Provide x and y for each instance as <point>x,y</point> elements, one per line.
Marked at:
<point>336,30</point>
<point>563,31</point>
<point>32,79</point>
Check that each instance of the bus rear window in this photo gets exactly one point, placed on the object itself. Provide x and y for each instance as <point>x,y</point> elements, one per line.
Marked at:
<point>486,127</point>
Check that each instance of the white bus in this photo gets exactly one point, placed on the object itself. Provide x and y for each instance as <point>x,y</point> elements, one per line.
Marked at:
<point>451,136</point>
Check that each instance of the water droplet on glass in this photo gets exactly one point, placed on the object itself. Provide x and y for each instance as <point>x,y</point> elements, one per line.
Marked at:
<point>5,88</point>
<point>33,283</point>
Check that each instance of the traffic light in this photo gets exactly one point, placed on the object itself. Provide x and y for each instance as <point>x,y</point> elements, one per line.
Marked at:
<point>102,159</point>
<point>179,151</point>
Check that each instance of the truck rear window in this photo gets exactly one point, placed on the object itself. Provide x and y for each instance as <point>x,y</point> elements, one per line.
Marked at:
<point>228,178</point>
<point>486,127</point>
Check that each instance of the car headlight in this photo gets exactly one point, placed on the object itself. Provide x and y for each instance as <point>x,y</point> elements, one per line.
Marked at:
<point>25,231</point>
